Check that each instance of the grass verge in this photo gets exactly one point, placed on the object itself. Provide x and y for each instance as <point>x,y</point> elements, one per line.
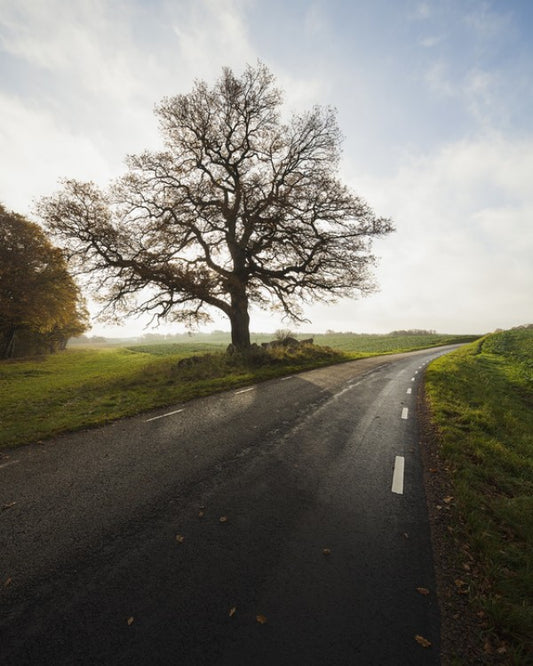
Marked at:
<point>481,401</point>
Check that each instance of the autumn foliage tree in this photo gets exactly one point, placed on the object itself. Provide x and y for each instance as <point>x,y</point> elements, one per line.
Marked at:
<point>40,304</point>
<point>240,208</point>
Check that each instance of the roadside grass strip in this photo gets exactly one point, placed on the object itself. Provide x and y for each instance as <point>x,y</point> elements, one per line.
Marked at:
<point>481,398</point>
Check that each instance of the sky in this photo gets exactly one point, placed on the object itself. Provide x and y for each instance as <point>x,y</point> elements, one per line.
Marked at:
<point>434,100</point>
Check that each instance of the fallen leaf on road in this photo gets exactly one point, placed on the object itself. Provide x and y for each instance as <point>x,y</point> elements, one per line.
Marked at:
<point>422,590</point>
<point>448,499</point>
<point>5,507</point>
<point>180,538</point>
<point>8,582</point>
<point>130,621</point>
<point>223,519</point>
<point>326,551</point>
<point>422,641</point>
<point>201,514</point>
<point>232,611</point>
<point>261,619</point>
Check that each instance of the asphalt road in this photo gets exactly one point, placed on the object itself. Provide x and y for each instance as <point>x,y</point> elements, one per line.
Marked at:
<point>280,524</point>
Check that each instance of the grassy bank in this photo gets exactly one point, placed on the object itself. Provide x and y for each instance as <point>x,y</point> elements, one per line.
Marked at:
<point>481,398</point>
<point>84,387</point>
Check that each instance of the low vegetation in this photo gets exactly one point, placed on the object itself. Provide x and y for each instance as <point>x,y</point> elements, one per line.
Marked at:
<point>83,387</point>
<point>481,398</point>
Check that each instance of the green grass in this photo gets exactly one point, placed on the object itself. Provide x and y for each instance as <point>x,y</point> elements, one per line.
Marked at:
<point>346,342</point>
<point>389,344</point>
<point>481,398</point>
<point>83,387</point>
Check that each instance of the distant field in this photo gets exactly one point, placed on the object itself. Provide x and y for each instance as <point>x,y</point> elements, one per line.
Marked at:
<point>481,397</point>
<point>385,344</point>
<point>346,342</point>
<point>83,387</point>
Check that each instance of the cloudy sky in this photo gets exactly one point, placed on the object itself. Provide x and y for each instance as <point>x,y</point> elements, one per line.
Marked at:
<point>434,98</point>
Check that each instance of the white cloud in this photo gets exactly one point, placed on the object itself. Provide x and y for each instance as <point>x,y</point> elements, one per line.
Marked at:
<point>211,35</point>
<point>430,42</point>
<point>439,80</point>
<point>102,85</point>
<point>463,247</point>
<point>422,11</point>
<point>487,24</point>
<point>84,40</point>
<point>39,153</point>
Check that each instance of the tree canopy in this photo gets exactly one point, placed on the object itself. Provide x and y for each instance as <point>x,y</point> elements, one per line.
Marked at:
<point>240,208</point>
<point>40,304</point>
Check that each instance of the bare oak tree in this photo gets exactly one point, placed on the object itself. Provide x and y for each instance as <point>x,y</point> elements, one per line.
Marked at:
<point>240,208</point>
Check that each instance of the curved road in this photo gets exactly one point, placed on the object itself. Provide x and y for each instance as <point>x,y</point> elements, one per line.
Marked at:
<point>284,523</point>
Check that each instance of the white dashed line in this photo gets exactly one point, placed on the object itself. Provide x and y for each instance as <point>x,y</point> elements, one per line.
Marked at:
<point>162,416</point>
<point>397,477</point>
<point>284,379</point>
<point>409,390</point>
<point>405,413</point>
<point>252,388</point>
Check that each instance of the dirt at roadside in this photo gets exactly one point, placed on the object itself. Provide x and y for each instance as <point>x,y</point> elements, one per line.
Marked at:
<point>464,636</point>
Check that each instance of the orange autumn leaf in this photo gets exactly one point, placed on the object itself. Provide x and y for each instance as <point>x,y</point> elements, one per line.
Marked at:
<point>462,587</point>
<point>232,611</point>
<point>422,641</point>
<point>422,590</point>
<point>261,619</point>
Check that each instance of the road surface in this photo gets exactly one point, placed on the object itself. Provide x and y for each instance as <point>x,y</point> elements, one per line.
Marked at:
<point>283,523</point>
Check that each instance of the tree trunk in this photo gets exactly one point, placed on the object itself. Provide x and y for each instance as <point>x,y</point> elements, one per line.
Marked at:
<point>240,321</point>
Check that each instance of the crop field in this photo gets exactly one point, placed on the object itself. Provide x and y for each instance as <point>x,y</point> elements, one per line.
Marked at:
<point>346,342</point>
